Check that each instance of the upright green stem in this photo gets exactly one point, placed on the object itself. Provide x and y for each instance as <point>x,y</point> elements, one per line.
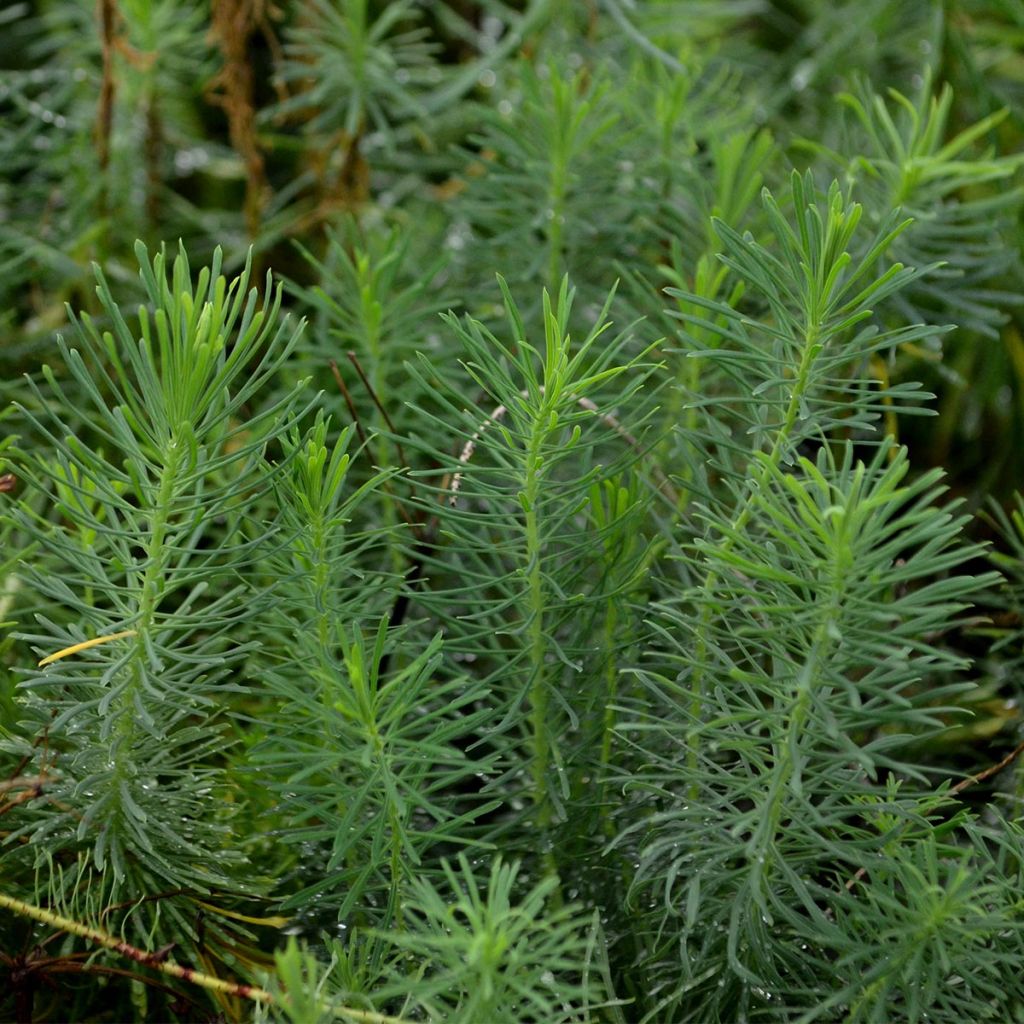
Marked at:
<point>150,592</point>
<point>371,320</point>
<point>148,601</point>
<point>556,211</point>
<point>708,285</point>
<point>397,857</point>
<point>321,587</point>
<point>611,685</point>
<point>783,752</point>
<point>558,181</point>
<point>535,629</point>
<point>740,520</point>
<point>689,418</point>
<point>785,765</point>
<point>537,643</point>
<point>366,709</point>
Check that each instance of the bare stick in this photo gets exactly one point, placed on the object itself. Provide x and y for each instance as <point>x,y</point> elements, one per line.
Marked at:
<point>348,401</point>
<point>956,790</point>
<point>155,960</point>
<point>990,771</point>
<point>468,449</point>
<point>354,360</point>
<point>584,403</point>
<point>33,782</point>
<point>158,961</point>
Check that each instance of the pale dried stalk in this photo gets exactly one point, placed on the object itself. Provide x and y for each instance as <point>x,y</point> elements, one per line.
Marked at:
<point>606,418</point>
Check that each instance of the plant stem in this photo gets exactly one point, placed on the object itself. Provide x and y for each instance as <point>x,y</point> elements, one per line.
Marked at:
<point>397,869</point>
<point>396,859</point>
<point>321,588</point>
<point>784,752</point>
<point>689,427</point>
<point>148,601</point>
<point>557,187</point>
<point>153,960</point>
<point>611,685</point>
<point>742,517</point>
<point>157,962</point>
<point>535,627</point>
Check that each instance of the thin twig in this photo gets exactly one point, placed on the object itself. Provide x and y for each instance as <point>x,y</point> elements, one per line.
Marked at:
<point>348,401</point>
<point>70,965</point>
<point>354,360</point>
<point>467,452</point>
<point>854,879</point>
<point>606,418</point>
<point>988,772</point>
<point>31,788</point>
<point>23,782</point>
<point>401,604</point>
<point>154,960</point>
<point>132,904</point>
<point>362,433</point>
<point>158,961</point>
<point>956,790</point>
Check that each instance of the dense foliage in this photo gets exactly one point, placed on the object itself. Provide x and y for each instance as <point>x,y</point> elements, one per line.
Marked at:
<point>507,510</point>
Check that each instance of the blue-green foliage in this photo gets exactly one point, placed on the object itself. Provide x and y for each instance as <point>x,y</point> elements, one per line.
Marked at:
<point>507,565</point>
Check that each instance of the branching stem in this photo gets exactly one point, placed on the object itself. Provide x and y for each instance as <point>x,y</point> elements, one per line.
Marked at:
<point>153,960</point>
<point>158,962</point>
<point>535,627</point>
<point>739,523</point>
<point>148,601</point>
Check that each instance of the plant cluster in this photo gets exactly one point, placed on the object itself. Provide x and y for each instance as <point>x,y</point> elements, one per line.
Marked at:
<point>476,539</point>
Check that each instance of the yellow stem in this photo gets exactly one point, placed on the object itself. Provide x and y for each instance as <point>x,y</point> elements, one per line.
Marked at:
<point>85,645</point>
<point>169,967</point>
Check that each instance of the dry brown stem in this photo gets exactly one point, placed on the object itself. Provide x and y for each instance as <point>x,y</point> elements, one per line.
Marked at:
<point>233,23</point>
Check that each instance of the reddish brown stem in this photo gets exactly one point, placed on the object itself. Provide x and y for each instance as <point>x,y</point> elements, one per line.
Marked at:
<point>348,401</point>
<point>354,360</point>
<point>988,772</point>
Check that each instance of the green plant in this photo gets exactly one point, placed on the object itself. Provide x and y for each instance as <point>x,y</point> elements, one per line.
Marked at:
<point>589,652</point>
